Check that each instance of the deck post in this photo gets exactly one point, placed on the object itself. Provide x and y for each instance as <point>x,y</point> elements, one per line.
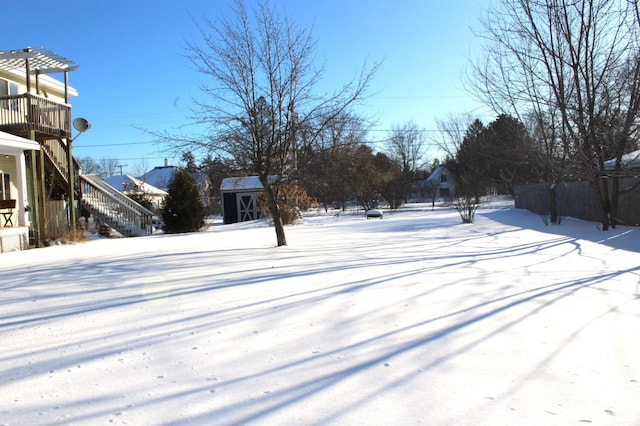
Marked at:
<point>72,189</point>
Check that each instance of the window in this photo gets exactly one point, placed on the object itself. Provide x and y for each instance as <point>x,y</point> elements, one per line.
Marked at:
<point>4,91</point>
<point>443,178</point>
<point>5,188</point>
<point>9,88</point>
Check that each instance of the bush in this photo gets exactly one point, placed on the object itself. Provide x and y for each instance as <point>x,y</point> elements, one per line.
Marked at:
<point>292,199</point>
<point>466,207</point>
<point>182,210</point>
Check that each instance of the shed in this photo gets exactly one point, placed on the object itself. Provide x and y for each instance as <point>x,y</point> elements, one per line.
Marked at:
<point>240,199</point>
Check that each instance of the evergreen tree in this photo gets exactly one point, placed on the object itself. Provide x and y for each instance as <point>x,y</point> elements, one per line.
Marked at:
<point>183,210</point>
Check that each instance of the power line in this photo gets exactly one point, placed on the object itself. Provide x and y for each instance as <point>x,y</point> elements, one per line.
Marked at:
<point>160,143</point>
<point>114,144</point>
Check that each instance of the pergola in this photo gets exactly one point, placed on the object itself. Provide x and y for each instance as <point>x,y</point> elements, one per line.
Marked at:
<point>37,61</point>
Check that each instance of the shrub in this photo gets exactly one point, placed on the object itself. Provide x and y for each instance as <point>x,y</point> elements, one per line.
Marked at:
<point>466,207</point>
<point>292,200</point>
<point>182,210</point>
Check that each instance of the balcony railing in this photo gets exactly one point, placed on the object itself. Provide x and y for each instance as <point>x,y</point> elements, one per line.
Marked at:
<point>20,114</point>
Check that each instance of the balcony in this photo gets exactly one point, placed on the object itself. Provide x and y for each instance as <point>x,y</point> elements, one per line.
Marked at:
<point>21,114</point>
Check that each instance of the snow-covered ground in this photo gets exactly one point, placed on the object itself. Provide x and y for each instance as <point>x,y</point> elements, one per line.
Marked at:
<point>412,319</point>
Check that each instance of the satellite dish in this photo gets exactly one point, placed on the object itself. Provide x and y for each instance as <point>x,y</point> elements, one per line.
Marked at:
<point>81,125</point>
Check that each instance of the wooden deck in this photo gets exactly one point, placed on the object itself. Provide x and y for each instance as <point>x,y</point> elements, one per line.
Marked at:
<point>21,114</point>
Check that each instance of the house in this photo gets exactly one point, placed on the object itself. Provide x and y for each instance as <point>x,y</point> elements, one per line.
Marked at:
<point>35,107</point>
<point>440,184</point>
<point>630,160</point>
<point>240,196</point>
<point>160,177</point>
<point>14,197</point>
<point>132,186</point>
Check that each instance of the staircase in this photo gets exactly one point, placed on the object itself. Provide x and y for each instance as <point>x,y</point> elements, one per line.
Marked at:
<point>110,206</point>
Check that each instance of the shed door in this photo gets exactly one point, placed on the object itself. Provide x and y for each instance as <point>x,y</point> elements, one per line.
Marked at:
<point>230,207</point>
<point>247,207</point>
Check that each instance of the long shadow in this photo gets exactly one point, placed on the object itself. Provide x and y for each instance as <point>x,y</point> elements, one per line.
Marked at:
<point>419,259</point>
<point>619,238</point>
<point>294,394</point>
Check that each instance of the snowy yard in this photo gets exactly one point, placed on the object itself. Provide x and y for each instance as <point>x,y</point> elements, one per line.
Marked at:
<point>506,321</point>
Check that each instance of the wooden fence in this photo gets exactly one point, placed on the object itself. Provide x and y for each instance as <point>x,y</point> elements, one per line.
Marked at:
<point>576,199</point>
<point>57,218</point>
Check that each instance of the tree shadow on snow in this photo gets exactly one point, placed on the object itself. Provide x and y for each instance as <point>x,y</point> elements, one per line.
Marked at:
<point>619,238</point>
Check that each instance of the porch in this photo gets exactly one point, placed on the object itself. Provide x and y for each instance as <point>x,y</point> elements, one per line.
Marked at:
<point>14,217</point>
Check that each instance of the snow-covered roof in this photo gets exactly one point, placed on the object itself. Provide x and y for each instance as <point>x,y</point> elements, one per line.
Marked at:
<point>245,183</point>
<point>629,161</point>
<point>434,177</point>
<point>160,176</point>
<point>129,183</point>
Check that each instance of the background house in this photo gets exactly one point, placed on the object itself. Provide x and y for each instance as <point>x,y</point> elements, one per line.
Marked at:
<point>160,177</point>
<point>440,184</point>
<point>628,161</point>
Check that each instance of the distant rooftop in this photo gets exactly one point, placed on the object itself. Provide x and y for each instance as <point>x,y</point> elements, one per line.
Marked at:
<point>130,183</point>
<point>628,161</point>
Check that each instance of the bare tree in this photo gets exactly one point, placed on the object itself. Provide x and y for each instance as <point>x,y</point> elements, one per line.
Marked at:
<point>261,80</point>
<point>89,166</point>
<point>574,60</point>
<point>140,168</point>
<point>326,157</point>
<point>406,148</point>
<point>108,167</point>
<point>451,132</point>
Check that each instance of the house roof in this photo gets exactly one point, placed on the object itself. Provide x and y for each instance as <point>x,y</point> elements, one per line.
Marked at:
<point>435,175</point>
<point>129,183</point>
<point>14,145</point>
<point>160,177</point>
<point>629,161</point>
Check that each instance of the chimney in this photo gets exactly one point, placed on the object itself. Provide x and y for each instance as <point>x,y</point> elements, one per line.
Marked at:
<point>166,162</point>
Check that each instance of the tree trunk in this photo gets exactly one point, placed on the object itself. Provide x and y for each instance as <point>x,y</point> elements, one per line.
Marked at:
<point>275,214</point>
<point>553,204</point>
<point>615,196</point>
<point>601,192</point>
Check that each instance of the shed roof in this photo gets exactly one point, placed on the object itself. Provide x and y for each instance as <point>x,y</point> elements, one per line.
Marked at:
<point>245,183</point>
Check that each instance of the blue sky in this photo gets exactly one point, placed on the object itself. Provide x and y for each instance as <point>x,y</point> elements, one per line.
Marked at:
<point>132,74</point>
